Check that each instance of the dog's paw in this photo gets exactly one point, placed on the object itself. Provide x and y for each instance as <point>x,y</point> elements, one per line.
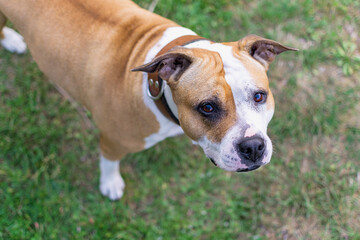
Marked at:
<point>13,41</point>
<point>112,186</point>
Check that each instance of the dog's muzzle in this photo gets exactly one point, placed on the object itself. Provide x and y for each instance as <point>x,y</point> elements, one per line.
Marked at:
<point>251,149</point>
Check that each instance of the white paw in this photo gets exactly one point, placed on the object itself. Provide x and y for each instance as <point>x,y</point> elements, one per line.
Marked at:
<point>112,186</point>
<point>13,41</point>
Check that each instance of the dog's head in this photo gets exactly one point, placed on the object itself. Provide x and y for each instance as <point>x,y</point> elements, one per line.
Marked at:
<point>223,98</point>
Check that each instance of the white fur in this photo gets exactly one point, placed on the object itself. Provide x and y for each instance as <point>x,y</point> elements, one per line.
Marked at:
<point>111,183</point>
<point>170,101</point>
<point>240,82</point>
<point>167,127</point>
<point>250,132</point>
<point>13,41</point>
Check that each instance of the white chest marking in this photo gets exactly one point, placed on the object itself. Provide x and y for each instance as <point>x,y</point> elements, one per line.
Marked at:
<point>167,127</point>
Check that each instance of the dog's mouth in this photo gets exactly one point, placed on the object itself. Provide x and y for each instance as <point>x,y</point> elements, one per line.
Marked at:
<point>249,169</point>
<point>240,170</point>
<point>212,160</point>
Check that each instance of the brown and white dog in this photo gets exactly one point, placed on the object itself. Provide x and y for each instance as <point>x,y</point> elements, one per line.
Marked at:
<point>216,93</point>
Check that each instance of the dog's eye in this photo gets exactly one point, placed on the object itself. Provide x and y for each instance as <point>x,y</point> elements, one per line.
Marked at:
<point>259,97</point>
<point>210,110</point>
<point>207,108</point>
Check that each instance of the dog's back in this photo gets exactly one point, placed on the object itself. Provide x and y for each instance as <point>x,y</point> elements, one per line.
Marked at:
<point>95,28</point>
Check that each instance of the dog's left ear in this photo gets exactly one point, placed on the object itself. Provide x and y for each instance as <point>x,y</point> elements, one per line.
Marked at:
<point>262,49</point>
<point>169,66</point>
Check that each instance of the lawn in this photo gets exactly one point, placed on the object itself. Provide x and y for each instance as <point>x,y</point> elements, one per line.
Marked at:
<point>49,171</point>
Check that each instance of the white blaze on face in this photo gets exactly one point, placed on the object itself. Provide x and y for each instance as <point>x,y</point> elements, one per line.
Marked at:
<point>252,118</point>
<point>250,132</point>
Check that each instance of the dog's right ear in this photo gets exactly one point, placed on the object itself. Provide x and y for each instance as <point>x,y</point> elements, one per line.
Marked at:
<point>262,49</point>
<point>169,66</point>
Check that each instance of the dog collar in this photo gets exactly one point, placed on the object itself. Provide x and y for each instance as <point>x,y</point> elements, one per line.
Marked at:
<point>157,88</point>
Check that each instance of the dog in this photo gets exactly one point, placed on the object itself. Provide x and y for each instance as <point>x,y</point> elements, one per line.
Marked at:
<point>145,78</point>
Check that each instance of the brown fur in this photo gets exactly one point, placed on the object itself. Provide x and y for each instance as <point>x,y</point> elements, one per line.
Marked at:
<point>255,68</point>
<point>2,24</point>
<point>258,73</point>
<point>88,48</point>
<point>207,65</point>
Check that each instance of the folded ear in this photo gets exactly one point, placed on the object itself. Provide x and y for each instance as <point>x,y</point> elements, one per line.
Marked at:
<point>262,49</point>
<point>169,66</point>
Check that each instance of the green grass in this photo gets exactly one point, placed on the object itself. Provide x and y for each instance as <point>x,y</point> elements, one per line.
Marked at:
<point>311,189</point>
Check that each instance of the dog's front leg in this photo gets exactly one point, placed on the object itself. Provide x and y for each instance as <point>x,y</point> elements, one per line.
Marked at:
<point>111,183</point>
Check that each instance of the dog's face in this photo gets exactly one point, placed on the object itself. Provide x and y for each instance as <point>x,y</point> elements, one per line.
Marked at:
<point>223,98</point>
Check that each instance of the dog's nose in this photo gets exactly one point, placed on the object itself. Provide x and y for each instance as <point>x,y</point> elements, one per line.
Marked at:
<point>251,149</point>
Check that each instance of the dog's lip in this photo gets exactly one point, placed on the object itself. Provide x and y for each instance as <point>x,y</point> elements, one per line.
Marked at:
<point>239,170</point>
<point>249,169</point>
<point>212,160</point>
